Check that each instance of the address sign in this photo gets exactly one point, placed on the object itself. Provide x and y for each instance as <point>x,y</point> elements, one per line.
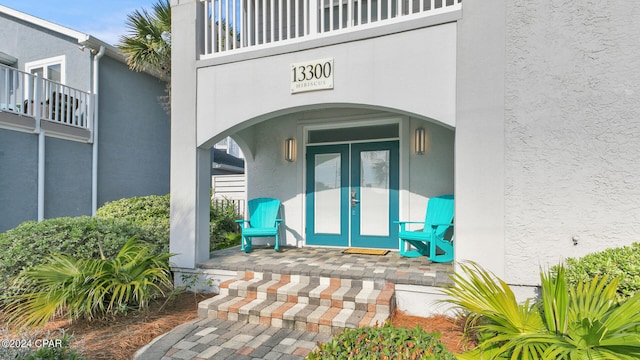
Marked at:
<point>312,75</point>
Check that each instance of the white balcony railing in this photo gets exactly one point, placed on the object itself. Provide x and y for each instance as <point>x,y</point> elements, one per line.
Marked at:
<point>26,94</point>
<point>236,24</point>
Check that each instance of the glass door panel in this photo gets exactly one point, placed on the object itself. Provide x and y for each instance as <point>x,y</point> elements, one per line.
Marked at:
<point>327,184</point>
<point>374,190</point>
<point>327,194</point>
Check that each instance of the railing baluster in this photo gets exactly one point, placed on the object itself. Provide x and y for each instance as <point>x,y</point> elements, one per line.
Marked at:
<point>256,16</point>
<point>379,14</point>
<point>340,14</point>
<point>313,6</point>
<point>66,108</point>
<point>331,15</point>
<point>322,28</point>
<point>305,17</point>
<point>433,5</point>
<point>6,91</point>
<point>369,12</point>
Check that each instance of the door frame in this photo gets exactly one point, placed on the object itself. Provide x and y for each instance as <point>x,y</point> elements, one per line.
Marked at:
<point>305,126</point>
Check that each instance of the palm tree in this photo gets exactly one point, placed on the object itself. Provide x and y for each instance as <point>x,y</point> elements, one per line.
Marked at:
<point>147,46</point>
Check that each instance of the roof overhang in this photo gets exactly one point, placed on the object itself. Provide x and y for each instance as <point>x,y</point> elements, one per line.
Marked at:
<point>83,39</point>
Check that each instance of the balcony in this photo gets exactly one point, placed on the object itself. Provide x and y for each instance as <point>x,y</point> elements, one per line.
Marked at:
<point>236,26</point>
<point>44,104</point>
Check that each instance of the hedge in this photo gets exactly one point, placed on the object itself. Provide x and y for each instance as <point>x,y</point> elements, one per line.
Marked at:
<point>622,263</point>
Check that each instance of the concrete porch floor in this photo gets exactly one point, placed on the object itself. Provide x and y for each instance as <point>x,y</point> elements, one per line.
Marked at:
<point>331,262</point>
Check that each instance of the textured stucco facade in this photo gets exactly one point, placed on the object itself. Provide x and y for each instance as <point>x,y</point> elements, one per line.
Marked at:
<point>572,131</point>
<point>547,129</point>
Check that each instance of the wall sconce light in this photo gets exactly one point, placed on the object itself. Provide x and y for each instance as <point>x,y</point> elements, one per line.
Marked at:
<point>290,149</point>
<point>420,141</point>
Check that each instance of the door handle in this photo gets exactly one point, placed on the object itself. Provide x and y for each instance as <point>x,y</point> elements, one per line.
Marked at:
<point>354,201</point>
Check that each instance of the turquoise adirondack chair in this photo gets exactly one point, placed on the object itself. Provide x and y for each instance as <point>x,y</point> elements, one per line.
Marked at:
<point>263,221</point>
<point>430,240</point>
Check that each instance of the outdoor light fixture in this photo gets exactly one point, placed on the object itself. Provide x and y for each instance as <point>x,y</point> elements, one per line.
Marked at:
<point>420,141</point>
<point>290,149</point>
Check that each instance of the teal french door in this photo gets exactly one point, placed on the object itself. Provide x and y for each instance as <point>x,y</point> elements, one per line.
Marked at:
<point>352,195</point>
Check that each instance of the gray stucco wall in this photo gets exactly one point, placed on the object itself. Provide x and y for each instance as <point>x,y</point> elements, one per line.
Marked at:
<point>68,178</point>
<point>27,43</point>
<point>572,124</point>
<point>18,178</point>
<point>134,154</point>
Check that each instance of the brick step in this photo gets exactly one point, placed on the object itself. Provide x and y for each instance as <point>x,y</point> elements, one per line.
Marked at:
<point>301,302</point>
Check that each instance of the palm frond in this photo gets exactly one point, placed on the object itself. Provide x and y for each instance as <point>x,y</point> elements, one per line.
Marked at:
<point>567,322</point>
<point>90,287</point>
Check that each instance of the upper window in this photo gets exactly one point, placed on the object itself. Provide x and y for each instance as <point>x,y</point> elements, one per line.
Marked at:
<point>51,68</point>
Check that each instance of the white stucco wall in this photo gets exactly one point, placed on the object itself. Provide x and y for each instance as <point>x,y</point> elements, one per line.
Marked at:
<point>432,173</point>
<point>572,124</point>
<point>269,175</point>
<point>412,71</point>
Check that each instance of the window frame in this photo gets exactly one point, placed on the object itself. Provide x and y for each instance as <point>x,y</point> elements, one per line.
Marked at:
<point>45,63</point>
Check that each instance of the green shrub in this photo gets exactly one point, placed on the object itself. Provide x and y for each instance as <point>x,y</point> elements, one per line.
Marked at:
<point>385,342</point>
<point>143,210</point>
<point>146,218</point>
<point>622,263</point>
<point>567,322</point>
<point>152,213</point>
<point>230,240</point>
<point>31,243</point>
<point>149,212</point>
<point>222,223</point>
<point>90,287</point>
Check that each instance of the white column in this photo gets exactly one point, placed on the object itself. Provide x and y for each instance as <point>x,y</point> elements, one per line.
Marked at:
<point>479,144</point>
<point>189,165</point>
